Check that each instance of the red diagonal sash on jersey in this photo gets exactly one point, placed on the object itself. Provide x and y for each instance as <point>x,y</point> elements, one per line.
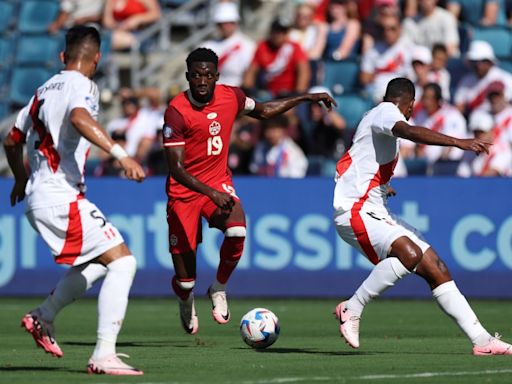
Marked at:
<point>497,130</point>
<point>226,55</point>
<point>479,99</point>
<point>438,124</point>
<point>392,65</point>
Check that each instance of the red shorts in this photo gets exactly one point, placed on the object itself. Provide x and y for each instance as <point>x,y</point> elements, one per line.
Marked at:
<point>184,219</point>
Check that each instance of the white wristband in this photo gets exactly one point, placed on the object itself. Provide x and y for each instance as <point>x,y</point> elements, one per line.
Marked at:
<point>118,152</point>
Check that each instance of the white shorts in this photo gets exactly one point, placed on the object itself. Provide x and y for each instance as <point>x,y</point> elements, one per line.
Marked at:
<point>373,230</point>
<point>76,232</point>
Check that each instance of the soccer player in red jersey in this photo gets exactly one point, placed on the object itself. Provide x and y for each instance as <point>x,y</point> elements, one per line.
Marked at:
<point>196,138</point>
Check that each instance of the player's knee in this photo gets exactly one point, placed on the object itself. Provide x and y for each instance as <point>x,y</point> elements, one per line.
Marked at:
<point>186,285</point>
<point>409,253</point>
<point>236,231</point>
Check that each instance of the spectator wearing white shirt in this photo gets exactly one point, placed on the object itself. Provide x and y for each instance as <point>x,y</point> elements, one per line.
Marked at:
<point>234,49</point>
<point>424,72</point>
<point>76,12</point>
<point>471,92</point>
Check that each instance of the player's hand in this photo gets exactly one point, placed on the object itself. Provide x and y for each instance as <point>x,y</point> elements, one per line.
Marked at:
<point>390,191</point>
<point>476,145</point>
<point>18,192</point>
<point>223,200</point>
<point>132,169</point>
<point>323,99</point>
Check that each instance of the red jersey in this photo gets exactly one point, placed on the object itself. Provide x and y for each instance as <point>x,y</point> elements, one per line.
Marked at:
<point>280,66</point>
<point>205,131</point>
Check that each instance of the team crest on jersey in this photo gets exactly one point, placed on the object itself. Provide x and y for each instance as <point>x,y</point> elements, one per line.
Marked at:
<point>173,240</point>
<point>214,128</point>
<point>167,132</point>
<point>211,115</point>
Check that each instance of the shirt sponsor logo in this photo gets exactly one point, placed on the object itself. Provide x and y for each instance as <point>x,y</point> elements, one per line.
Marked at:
<point>167,132</point>
<point>211,116</point>
<point>214,128</point>
<point>91,103</point>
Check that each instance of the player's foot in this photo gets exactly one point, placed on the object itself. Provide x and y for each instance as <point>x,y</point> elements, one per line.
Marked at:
<point>42,332</point>
<point>112,365</point>
<point>495,347</point>
<point>189,320</point>
<point>349,324</point>
<point>220,311</point>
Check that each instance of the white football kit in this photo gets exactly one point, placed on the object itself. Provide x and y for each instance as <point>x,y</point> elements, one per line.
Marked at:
<point>75,230</point>
<point>362,176</point>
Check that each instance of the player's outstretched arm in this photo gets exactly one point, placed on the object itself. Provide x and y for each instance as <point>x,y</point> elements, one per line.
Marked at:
<point>14,153</point>
<point>92,131</point>
<point>273,108</point>
<point>427,136</point>
<point>175,160</point>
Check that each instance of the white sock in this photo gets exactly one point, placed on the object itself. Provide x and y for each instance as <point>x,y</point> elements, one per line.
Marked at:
<point>455,305</point>
<point>384,275</point>
<point>216,286</point>
<point>112,303</point>
<point>70,287</point>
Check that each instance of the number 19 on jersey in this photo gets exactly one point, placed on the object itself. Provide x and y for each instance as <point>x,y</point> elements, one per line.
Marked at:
<point>214,145</point>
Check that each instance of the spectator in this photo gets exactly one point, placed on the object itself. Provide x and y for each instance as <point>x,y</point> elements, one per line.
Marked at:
<point>280,63</point>
<point>278,155</point>
<point>496,127</point>
<point>390,57</point>
<point>433,25</point>
<point>245,136</point>
<point>472,90</point>
<point>341,38</point>
<point>440,117</point>
<point>424,72</point>
<point>438,73</point>
<point>234,49</point>
<point>76,12</point>
<point>307,32</point>
<point>371,27</point>
<point>126,17</point>
<point>138,125</point>
<point>478,12</point>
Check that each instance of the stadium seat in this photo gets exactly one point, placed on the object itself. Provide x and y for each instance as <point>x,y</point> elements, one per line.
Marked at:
<point>416,167</point>
<point>500,38</point>
<point>352,107</point>
<point>24,82</point>
<point>7,13</point>
<point>506,64</point>
<point>43,50</point>
<point>341,76</point>
<point>457,69</point>
<point>4,109</point>
<point>7,50</point>
<point>445,168</point>
<point>36,15</point>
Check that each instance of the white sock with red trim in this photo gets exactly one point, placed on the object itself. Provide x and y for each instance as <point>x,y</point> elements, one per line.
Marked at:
<point>455,305</point>
<point>112,303</point>
<point>384,275</point>
<point>71,286</point>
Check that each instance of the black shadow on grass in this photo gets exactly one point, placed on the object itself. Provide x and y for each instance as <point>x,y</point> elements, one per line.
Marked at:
<point>28,368</point>
<point>311,351</point>
<point>145,344</point>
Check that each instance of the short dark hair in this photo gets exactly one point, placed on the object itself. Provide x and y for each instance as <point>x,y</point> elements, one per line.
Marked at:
<point>77,37</point>
<point>438,93</point>
<point>278,121</point>
<point>398,88</point>
<point>439,47</point>
<point>202,55</point>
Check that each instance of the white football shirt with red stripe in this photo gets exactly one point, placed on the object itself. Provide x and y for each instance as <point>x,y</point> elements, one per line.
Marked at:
<point>56,151</point>
<point>365,169</point>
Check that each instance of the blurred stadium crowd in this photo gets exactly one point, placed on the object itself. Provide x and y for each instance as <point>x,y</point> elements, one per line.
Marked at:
<point>457,52</point>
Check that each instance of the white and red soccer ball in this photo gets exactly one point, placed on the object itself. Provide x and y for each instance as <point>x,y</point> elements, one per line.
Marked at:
<point>259,328</point>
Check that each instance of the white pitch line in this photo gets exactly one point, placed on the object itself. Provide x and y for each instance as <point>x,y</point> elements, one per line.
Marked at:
<point>433,374</point>
<point>282,380</point>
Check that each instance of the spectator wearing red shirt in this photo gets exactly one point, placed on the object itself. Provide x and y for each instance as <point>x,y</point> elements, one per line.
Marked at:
<point>280,64</point>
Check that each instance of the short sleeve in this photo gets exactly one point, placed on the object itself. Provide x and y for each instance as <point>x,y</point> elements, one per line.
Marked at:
<point>245,104</point>
<point>85,95</point>
<point>389,116</point>
<point>368,61</point>
<point>299,54</point>
<point>173,132</point>
<point>23,120</point>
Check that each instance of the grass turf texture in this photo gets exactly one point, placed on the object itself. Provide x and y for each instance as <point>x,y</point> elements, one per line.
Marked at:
<point>401,342</point>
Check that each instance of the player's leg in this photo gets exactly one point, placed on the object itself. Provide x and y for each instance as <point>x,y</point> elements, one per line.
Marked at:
<point>455,305</point>
<point>112,303</point>
<point>184,234</point>
<point>233,225</point>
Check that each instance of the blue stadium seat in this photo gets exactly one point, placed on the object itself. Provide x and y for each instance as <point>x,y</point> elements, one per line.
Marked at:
<point>457,69</point>
<point>500,39</point>
<point>36,15</point>
<point>4,109</point>
<point>24,82</point>
<point>7,15</point>
<point>506,64</point>
<point>39,49</point>
<point>352,107</point>
<point>7,50</point>
<point>341,76</point>
<point>416,167</point>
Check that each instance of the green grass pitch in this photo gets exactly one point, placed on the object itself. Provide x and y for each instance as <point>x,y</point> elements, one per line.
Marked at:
<point>401,342</point>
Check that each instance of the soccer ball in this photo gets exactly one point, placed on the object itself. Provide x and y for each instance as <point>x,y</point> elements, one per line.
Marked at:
<point>259,328</point>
